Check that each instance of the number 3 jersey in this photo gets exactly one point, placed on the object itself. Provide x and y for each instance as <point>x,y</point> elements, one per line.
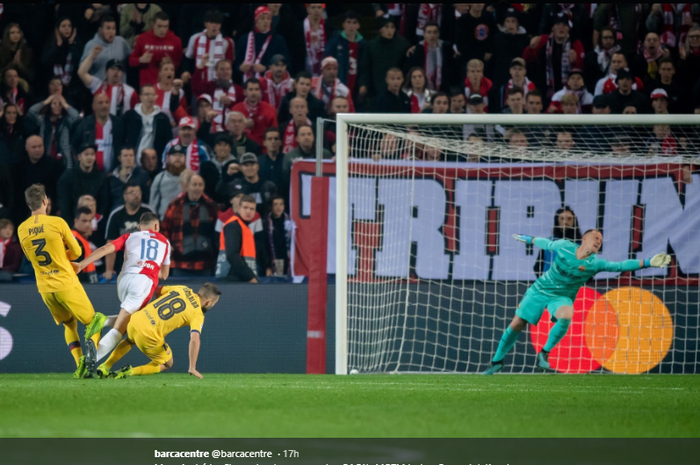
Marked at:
<point>145,252</point>
<point>49,244</point>
<point>177,306</point>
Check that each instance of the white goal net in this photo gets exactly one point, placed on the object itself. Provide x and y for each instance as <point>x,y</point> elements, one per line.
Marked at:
<point>429,277</point>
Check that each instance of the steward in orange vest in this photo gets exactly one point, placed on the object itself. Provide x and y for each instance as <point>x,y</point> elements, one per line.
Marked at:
<point>236,259</point>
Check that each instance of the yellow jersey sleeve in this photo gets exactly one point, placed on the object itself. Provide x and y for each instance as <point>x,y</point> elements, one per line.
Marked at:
<point>44,240</point>
<point>197,322</point>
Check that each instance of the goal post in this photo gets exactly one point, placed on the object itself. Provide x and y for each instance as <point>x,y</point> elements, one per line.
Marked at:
<point>427,281</point>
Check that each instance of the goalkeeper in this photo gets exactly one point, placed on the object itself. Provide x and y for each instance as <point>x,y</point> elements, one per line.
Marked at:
<point>557,288</point>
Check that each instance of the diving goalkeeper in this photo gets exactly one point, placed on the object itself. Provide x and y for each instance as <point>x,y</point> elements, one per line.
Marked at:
<point>557,288</point>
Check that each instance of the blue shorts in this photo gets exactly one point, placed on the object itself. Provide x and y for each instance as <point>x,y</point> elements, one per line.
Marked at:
<point>533,304</point>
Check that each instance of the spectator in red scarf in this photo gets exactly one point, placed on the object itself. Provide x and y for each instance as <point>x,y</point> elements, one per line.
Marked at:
<point>196,152</point>
<point>417,89</point>
<point>646,63</point>
<point>13,91</point>
<point>205,51</point>
<point>300,116</point>
<point>122,97</point>
<point>276,83</point>
<point>10,250</point>
<point>518,78</point>
<point>152,46</point>
<point>435,57</point>
<point>189,225</point>
<point>223,92</point>
<point>261,114</point>
<point>477,83</point>
<point>348,47</point>
<point>327,86</point>
<point>169,94</point>
<point>557,54</point>
<point>317,32</point>
<point>255,50</point>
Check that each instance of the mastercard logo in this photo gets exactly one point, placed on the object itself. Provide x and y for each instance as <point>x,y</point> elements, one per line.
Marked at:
<point>626,330</point>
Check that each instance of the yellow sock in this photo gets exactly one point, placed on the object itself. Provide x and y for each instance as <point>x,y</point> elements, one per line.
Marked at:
<point>121,350</point>
<point>96,339</point>
<point>73,339</point>
<point>150,369</point>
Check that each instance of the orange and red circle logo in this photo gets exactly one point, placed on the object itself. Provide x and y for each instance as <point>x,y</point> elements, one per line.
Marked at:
<point>626,330</point>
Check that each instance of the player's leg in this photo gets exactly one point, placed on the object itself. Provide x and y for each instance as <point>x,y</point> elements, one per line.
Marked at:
<point>78,304</point>
<point>529,311</point>
<point>120,351</point>
<point>134,293</point>
<point>563,312</point>
<point>70,328</point>
<point>161,359</point>
<point>112,338</point>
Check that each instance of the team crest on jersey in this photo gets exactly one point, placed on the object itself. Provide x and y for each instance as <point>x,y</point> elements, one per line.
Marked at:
<point>582,268</point>
<point>481,32</point>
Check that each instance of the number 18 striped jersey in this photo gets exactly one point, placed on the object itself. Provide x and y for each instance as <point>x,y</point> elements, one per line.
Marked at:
<point>145,252</point>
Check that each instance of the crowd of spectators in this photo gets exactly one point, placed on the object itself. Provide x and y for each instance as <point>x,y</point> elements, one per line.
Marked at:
<point>184,110</point>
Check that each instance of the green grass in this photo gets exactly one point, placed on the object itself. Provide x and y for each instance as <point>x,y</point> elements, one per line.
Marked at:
<point>223,405</point>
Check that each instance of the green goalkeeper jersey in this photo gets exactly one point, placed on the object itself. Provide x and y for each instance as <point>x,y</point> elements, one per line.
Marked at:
<point>567,274</point>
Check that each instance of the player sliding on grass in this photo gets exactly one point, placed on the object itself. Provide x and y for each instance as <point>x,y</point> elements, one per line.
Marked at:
<point>557,289</point>
<point>176,306</point>
<point>49,245</point>
<point>146,259</point>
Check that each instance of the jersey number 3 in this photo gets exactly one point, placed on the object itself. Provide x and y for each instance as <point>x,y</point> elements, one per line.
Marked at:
<point>43,257</point>
<point>169,306</point>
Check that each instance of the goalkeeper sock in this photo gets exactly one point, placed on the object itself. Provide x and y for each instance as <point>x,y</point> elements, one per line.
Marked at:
<point>73,339</point>
<point>557,333</point>
<point>510,336</point>
<point>150,369</point>
<point>108,343</point>
<point>122,349</point>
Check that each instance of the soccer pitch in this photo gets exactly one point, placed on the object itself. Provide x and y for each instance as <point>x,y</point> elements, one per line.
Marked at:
<point>380,406</point>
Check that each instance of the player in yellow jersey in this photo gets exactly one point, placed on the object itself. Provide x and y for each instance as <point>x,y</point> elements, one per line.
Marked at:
<point>48,243</point>
<point>176,306</point>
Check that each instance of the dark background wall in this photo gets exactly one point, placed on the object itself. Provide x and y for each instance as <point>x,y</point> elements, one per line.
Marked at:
<point>262,329</point>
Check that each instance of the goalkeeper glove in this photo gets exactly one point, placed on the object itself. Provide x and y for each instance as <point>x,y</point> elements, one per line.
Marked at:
<point>523,238</point>
<point>660,260</point>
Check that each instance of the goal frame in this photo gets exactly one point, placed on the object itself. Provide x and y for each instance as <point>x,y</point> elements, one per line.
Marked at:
<point>344,119</point>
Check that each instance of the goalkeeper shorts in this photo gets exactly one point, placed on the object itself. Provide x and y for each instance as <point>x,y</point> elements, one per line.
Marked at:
<point>533,305</point>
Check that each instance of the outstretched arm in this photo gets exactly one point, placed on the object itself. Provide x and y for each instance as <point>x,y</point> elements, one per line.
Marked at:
<point>96,255</point>
<point>541,242</point>
<point>194,353</point>
<point>660,260</point>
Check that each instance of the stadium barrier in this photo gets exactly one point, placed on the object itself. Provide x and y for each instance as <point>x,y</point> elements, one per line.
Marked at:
<point>262,329</point>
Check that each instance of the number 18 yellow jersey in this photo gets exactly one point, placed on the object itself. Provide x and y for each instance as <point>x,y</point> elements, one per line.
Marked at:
<point>177,306</point>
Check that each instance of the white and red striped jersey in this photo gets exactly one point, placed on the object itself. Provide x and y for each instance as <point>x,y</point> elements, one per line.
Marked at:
<point>121,98</point>
<point>145,252</point>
